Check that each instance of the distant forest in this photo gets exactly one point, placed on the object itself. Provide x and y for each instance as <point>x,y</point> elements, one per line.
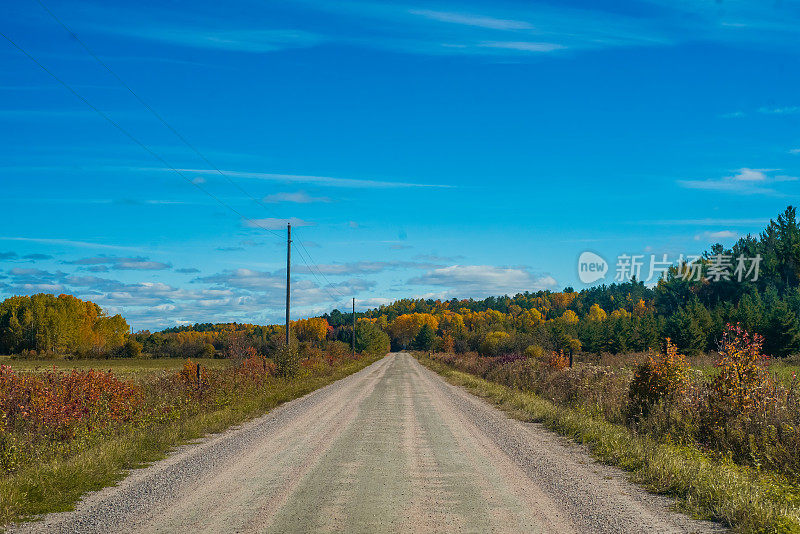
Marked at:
<point>622,317</point>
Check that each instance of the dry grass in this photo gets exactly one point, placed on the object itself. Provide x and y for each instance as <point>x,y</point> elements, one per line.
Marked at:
<point>709,487</point>
<point>120,366</point>
<point>56,483</point>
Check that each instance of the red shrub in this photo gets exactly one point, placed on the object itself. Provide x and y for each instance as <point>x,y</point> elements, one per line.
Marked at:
<point>58,403</point>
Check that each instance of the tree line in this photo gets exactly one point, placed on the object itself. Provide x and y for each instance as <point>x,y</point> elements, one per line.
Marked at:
<point>45,323</point>
<point>616,318</point>
<point>622,317</point>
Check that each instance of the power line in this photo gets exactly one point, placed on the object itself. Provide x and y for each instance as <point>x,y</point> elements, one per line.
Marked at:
<point>157,115</point>
<point>135,139</point>
<point>320,271</point>
<point>182,139</point>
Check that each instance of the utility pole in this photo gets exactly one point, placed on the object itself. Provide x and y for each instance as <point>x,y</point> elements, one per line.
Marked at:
<point>288,275</point>
<point>354,328</point>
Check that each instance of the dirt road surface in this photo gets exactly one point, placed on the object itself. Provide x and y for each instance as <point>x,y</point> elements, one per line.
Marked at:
<point>392,448</point>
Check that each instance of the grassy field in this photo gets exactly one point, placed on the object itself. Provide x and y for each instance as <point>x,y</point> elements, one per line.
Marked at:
<point>120,366</point>
<point>706,486</point>
<point>57,480</point>
<point>786,369</point>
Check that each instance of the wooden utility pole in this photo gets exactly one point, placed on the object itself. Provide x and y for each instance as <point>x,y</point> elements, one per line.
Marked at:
<point>288,276</point>
<point>354,327</point>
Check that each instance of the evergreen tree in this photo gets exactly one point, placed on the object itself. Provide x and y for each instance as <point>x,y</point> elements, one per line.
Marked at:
<point>781,331</point>
<point>685,332</point>
<point>425,338</point>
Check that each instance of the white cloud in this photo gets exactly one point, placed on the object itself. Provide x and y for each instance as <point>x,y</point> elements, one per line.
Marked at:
<point>299,197</point>
<point>482,280</point>
<point>718,235</point>
<point>746,182</point>
<point>241,295</point>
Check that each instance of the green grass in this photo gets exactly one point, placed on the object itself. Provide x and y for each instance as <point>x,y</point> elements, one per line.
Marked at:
<point>706,487</point>
<point>784,370</point>
<point>120,366</point>
<point>58,484</point>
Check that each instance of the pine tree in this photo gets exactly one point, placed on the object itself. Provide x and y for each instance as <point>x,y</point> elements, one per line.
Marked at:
<point>781,332</point>
<point>685,332</point>
<point>425,338</point>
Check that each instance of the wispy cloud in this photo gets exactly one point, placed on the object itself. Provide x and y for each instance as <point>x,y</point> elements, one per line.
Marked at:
<point>746,182</point>
<point>530,29</point>
<point>273,224</point>
<point>525,46</point>
<point>237,39</point>
<point>298,197</point>
<point>733,115</point>
<point>709,221</point>
<point>785,110</point>
<point>121,263</point>
<point>764,110</point>
<point>67,243</point>
<point>467,19</point>
<point>367,267</point>
<point>300,178</point>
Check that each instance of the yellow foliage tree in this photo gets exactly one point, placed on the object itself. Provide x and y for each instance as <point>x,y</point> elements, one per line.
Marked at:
<point>406,327</point>
<point>529,319</point>
<point>492,343</point>
<point>314,329</point>
<point>596,313</point>
<point>570,317</point>
<point>620,314</point>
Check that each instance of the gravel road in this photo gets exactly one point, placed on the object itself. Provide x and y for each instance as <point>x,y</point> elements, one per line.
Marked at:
<point>392,448</point>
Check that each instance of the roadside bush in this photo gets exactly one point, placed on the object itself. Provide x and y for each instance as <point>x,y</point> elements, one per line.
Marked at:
<point>556,361</point>
<point>743,385</point>
<point>742,412</point>
<point>659,377</point>
<point>535,351</point>
<point>130,349</point>
<point>287,360</point>
<point>257,366</point>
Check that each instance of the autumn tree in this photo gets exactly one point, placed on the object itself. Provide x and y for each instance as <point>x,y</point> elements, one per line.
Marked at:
<point>314,329</point>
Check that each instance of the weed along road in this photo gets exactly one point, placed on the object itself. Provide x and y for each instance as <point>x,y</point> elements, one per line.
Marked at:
<point>392,448</point>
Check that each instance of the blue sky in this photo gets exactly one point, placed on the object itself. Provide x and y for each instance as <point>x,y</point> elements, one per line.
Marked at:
<point>422,149</point>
